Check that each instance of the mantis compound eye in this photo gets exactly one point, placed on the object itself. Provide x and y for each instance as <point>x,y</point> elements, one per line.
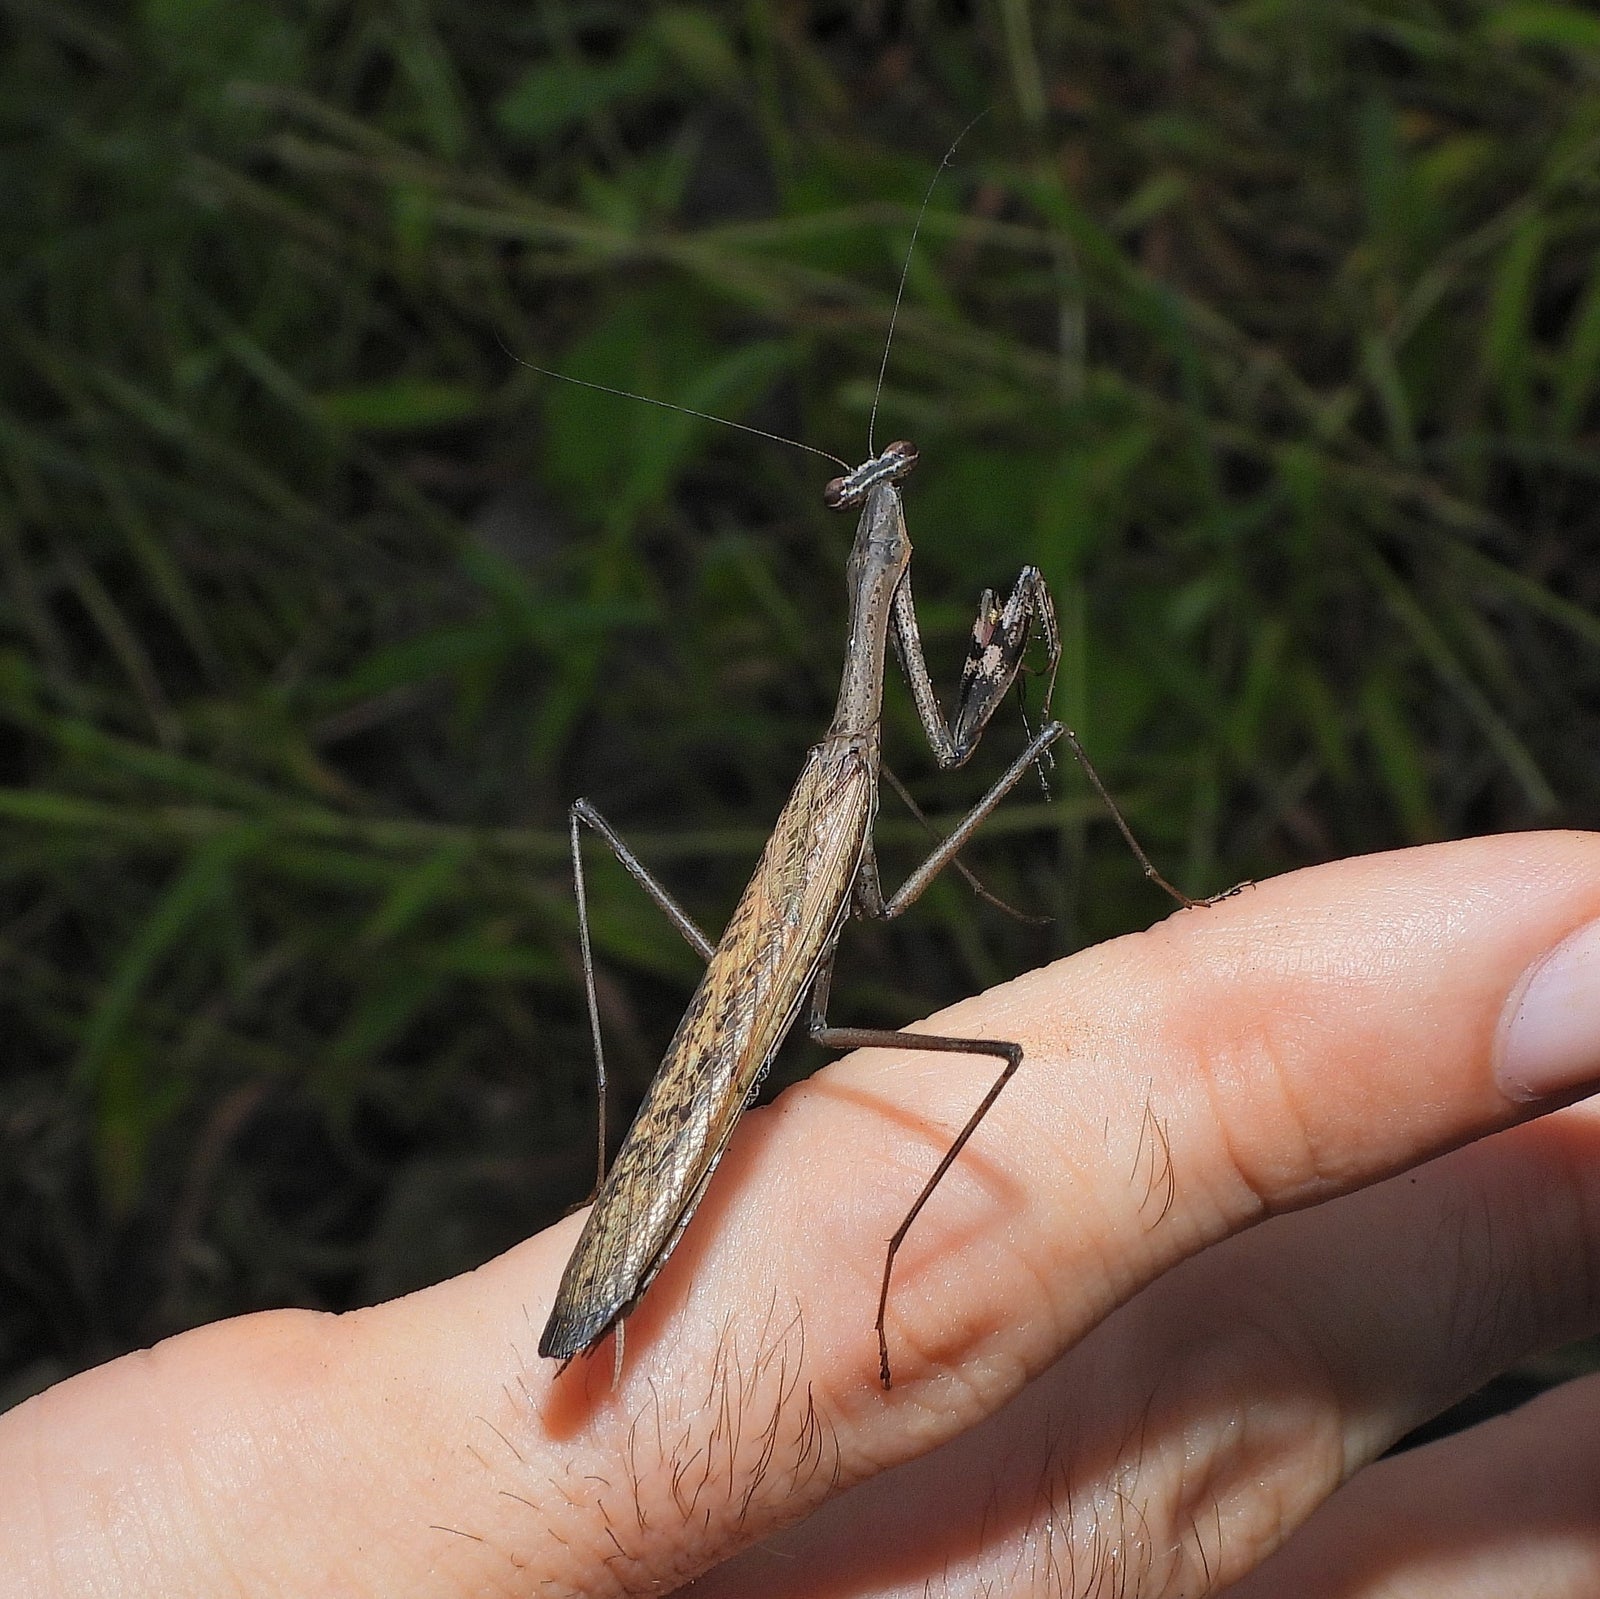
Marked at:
<point>900,457</point>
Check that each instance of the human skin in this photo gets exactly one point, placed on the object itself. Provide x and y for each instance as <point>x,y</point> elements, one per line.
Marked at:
<point>1278,1180</point>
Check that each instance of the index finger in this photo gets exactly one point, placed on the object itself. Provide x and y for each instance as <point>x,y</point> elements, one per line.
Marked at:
<point>1322,1031</point>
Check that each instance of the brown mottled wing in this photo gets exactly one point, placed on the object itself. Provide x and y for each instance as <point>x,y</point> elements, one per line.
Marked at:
<point>746,1002</point>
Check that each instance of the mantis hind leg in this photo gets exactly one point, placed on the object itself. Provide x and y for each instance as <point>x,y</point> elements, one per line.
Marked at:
<point>934,1043</point>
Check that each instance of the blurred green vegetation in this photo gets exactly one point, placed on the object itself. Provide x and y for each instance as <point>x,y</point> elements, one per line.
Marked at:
<point>1270,330</point>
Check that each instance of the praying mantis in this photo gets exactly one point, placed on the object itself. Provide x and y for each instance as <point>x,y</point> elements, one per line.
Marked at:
<point>777,951</point>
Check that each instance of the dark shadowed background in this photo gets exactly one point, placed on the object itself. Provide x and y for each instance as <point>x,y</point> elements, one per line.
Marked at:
<point>1270,330</point>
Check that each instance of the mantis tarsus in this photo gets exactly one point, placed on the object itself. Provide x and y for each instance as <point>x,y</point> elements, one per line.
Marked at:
<point>779,944</point>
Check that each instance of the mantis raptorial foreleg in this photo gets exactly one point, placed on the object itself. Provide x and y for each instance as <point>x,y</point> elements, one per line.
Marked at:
<point>1000,637</point>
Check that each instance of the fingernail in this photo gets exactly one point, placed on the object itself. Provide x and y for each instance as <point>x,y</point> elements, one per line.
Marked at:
<point>1552,1042</point>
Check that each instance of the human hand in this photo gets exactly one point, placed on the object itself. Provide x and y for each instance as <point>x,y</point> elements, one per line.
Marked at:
<point>1107,1380</point>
